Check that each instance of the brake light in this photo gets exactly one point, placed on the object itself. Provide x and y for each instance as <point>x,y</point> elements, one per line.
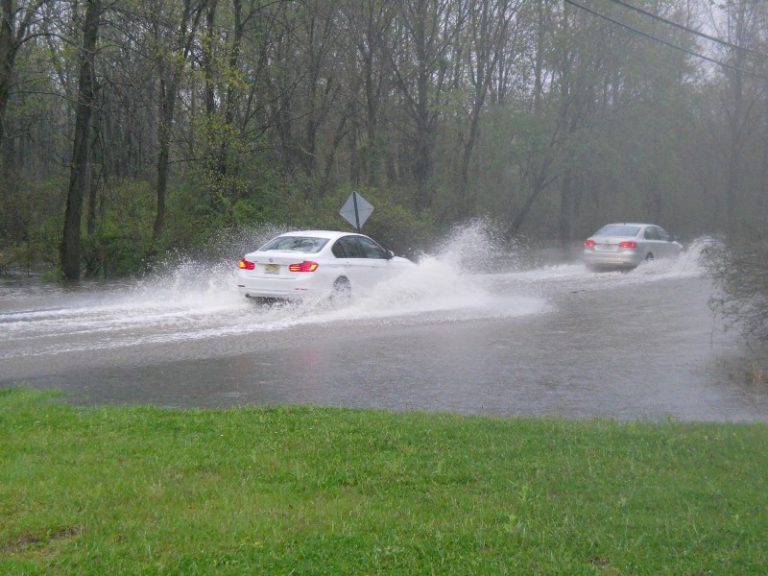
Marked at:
<point>589,243</point>
<point>306,266</point>
<point>244,264</point>
<point>628,244</point>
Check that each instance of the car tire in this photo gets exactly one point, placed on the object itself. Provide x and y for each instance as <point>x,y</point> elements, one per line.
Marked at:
<point>649,257</point>
<point>342,290</point>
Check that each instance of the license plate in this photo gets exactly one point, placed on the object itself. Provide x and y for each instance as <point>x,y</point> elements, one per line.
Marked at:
<point>272,268</point>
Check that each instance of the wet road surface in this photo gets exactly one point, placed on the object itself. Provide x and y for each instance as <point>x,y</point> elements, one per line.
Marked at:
<point>552,341</point>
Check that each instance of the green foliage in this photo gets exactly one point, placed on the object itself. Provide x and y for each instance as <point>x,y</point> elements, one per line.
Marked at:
<point>740,271</point>
<point>279,115</point>
<point>394,223</point>
<point>320,491</point>
<point>33,226</point>
<point>122,239</point>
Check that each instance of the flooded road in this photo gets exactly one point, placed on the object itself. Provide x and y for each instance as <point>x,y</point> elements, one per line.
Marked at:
<point>549,341</point>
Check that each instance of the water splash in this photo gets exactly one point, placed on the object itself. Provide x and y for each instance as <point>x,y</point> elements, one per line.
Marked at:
<point>188,299</point>
<point>688,264</point>
<point>480,246</point>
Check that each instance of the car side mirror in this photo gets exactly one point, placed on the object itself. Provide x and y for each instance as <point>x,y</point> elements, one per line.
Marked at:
<point>390,254</point>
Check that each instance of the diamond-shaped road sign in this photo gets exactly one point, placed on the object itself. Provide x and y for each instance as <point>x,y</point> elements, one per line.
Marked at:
<point>356,210</point>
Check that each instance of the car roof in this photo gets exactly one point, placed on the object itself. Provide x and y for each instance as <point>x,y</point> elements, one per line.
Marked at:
<point>330,234</point>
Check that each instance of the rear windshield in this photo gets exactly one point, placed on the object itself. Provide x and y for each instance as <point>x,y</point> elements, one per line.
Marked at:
<point>304,244</point>
<point>618,230</point>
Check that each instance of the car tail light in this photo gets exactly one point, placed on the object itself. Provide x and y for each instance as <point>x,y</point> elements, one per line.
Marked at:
<point>628,244</point>
<point>306,266</point>
<point>589,243</point>
<point>246,264</point>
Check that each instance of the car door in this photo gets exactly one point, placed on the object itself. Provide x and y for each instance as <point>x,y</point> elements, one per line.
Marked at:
<point>652,242</point>
<point>364,262</point>
<point>670,246</point>
<point>348,259</point>
<point>375,260</point>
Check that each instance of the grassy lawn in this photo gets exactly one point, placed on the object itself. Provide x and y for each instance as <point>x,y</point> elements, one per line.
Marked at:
<point>323,491</point>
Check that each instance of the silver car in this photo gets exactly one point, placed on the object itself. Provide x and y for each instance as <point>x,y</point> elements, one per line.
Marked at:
<point>626,245</point>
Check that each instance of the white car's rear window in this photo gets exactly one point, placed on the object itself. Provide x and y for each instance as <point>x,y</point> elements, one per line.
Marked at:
<point>618,230</point>
<point>305,244</point>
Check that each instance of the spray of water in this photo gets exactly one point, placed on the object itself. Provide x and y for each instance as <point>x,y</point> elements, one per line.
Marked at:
<point>480,246</point>
<point>188,298</point>
<point>464,279</point>
<point>687,265</point>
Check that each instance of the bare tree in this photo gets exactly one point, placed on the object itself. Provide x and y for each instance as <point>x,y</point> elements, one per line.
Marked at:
<point>369,26</point>
<point>488,24</point>
<point>78,182</point>
<point>171,60</point>
<point>15,29</point>
<point>426,32</point>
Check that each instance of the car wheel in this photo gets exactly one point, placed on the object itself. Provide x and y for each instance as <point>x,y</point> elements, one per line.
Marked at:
<point>263,301</point>
<point>649,257</point>
<point>342,290</point>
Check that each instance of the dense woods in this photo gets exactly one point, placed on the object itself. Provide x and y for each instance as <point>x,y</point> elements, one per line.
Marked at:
<point>132,127</point>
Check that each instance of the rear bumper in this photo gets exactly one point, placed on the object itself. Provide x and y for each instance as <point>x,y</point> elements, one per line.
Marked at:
<point>287,288</point>
<point>621,259</point>
<point>294,296</point>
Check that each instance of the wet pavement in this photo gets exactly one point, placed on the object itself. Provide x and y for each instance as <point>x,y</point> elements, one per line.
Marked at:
<point>551,341</point>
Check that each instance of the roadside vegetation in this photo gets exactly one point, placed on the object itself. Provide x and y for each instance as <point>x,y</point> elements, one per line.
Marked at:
<point>739,268</point>
<point>303,490</point>
<point>132,129</point>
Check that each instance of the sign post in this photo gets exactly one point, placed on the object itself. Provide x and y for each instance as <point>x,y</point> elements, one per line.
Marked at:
<point>356,210</point>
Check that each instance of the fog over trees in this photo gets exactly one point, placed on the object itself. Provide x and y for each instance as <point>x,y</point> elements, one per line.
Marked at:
<point>136,126</point>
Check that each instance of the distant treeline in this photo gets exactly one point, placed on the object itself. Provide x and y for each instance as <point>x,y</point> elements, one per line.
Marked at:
<point>130,127</point>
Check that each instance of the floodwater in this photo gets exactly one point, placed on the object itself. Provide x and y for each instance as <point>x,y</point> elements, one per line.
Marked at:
<point>460,333</point>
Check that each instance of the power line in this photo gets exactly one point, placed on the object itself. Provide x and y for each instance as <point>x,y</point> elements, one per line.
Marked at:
<point>665,42</point>
<point>687,29</point>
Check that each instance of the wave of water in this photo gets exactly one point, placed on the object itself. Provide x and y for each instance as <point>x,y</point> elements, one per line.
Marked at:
<point>472,275</point>
<point>688,264</point>
<point>193,300</point>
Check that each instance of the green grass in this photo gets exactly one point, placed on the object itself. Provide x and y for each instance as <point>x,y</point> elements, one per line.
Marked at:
<point>321,491</point>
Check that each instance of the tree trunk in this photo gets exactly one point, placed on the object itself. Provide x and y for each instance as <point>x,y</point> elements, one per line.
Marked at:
<point>567,210</point>
<point>738,137</point>
<point>169,90</point>
<point>538,185</point>
<point>168,104</point>
<point>468,198</point>
<point>70,244</point>
<point>8,49</point>
<point>15,22</point>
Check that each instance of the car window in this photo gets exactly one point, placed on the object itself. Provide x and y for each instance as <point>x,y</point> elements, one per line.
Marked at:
<point>663,234</point>
<point>305,244</point>
<point>338,249</point>
<point>651,233</point>
<point>347,247</point>
<point>370,249</point>
<point>618,230</point>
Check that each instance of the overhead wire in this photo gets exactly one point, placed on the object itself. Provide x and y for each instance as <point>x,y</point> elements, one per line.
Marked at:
<point>665,42</point>
<point>687,28</point>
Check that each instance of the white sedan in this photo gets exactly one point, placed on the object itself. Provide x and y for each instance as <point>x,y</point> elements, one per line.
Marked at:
<point>314,264</point>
